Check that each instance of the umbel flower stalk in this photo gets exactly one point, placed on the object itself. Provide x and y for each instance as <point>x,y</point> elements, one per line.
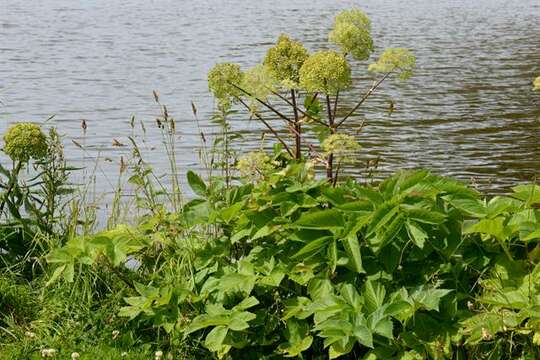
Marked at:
<point>290,81</point>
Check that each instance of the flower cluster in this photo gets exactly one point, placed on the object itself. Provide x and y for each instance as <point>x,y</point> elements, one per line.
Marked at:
<point>325,71</point>
<point>536,84</point>
<point>352,33</point>
<point>260,83</point>
<point>220,82</point>
<point>255,164</point>
<point>342,146</point>
<point>48,353</point>
<point>25,141</point>
<point>285,59</point>
<point>395,59</point>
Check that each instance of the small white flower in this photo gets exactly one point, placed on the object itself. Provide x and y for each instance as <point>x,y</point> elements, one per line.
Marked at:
<point>159,355</point>
<point>48,353</point>
<point>124,354</point>
<point>115,334</point>
<point>75,356</point>
<point>30,334</point>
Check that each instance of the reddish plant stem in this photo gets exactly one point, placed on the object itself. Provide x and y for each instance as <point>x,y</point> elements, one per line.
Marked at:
<point>297,127</point>
<point>272,130</point>
<point>330,162</point>
<point>364,98</point>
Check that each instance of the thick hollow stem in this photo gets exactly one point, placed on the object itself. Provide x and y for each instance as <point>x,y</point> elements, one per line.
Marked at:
<point>297,127</point>
<point>330,163</point>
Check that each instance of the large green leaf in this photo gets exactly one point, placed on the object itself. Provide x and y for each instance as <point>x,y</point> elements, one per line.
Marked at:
<point>322,219</point>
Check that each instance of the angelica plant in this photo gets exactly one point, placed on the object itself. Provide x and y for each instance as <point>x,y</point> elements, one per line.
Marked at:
<point>291,84</point>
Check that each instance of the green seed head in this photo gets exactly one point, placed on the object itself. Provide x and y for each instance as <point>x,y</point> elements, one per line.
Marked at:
<point>400,60</point>
<point>220,82</point>
<point>285,59</point>
<point>25,141</point>
<point>352,34</point>
<point>326,72</point>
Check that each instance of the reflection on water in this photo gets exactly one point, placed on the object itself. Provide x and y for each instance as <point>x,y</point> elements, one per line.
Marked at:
<point>467,112</point>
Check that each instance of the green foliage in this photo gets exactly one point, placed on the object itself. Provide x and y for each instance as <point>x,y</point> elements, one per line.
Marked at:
<point>295,267</point>
<point>398,60</point>
<point>352,33</point>
<point>325,71</point>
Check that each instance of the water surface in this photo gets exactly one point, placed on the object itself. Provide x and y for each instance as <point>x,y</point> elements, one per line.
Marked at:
<point>468,112</point>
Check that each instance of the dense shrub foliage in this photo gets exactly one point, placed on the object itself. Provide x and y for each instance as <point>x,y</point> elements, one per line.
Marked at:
<point>418,267</point>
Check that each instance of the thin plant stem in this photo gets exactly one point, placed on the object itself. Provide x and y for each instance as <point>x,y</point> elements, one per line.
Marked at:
<point>364,98</point>
<point>272,130</point>
<point>270,107</point>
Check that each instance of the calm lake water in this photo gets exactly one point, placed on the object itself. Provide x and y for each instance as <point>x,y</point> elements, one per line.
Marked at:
<point>468,112</point>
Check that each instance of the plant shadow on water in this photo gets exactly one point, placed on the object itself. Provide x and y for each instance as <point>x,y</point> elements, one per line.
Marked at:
<point>277,252</point>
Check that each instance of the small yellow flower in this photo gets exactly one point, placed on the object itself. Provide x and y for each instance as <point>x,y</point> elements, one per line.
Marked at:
<point>352,33</point>
<point>285,59</point>
<point>536,84</point>
<point>75,356</point>
<point>325,71</point>
<point>399,60</point>
<point>25,141</point>
<point>158,355</point>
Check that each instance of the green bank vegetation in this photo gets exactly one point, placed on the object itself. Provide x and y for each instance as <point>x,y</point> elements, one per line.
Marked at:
<point>278,253</point>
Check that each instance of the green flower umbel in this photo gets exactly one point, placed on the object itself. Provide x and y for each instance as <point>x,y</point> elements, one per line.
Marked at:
<point>399,60</point>
<point>255,164</point>
<point>285,59</point>
<point>260,83</point>
<point>536,84</point>
<point>25,141</point>
<point>220,82</point>
<point>352,33</point>
<point>342,146</point>
<point>326,72</point>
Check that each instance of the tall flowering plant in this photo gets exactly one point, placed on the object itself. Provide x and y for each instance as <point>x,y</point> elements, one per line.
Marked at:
<point>306,90</point>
